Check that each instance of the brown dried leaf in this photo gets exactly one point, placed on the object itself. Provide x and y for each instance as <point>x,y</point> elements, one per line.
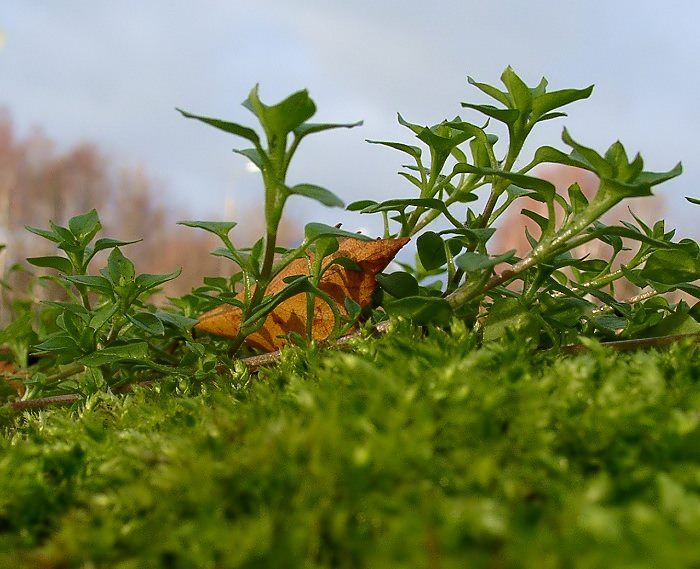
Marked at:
<point>290,315</point>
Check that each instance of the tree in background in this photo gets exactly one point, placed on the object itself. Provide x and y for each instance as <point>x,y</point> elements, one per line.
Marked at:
<point>39,183</point>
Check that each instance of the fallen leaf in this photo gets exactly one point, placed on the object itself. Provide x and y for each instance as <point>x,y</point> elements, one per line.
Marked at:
<point>290,316</point>
<point>7,370</point>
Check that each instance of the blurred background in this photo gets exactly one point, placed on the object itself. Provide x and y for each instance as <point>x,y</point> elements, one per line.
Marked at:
<point>88,94</point>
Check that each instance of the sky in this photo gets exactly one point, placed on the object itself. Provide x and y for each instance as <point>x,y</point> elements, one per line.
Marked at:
<point>112,73</point>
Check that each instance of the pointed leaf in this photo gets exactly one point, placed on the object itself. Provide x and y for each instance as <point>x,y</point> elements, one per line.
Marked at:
<point>421,309</point>
<point>313,231</point>
<point>431,250</point>
<point>413,151</point>
<point>507,116</point>
<point>137,351</point>
<point>598,164</point>
<point>556,99</point>
<point>146,282</point>
<point>230,127</point>
<point>543,187</point>
<point>96,283</point>
<point>251,154</point>
<point>317,193</point>
<point>85,226</point>
<point>219,228</point>
<point>470,261</point>
<point>519,91</point>
<point>398,284</point>
<point>310,128</point>
<point>491,91</point>
<point>52,262</point>
<point>107,243</point>
<point>45,233</point>
<point>147,322</point>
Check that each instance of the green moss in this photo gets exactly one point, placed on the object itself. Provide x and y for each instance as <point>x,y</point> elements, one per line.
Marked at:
<point>409,451</point>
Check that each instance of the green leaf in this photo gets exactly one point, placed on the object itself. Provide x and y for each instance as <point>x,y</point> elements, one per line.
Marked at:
<point>107,243</point>
<point>401,205</point>
<point>219,228</point>
<point>45,233</point>
<point>543,187</point>
<point>492,92</point>
<point>313,231</point>
<point>413,151</point>
<point>519,91</point>
<point>655,178</point>
<point>673,324</point>
<point>230,127</point>
<point>353,308</point>
<point>556,99</point>
<point>281,119</point>
<point>596,163</point>
<point>317,193</point>
<point>695,201</point>
<point>477,235</point>
<point>85,226</point>
<point>178,321</point>
<point>52,262</point>
<point>147,322</point>
<point>548,154</point>
<point>609,322</point>
<point>103,314</point>
<point>146,281</point>
<point>442,140</point>
<point>311,128</point>
<point>507,116</point>
<point>251,154</point>
<point>136,351</point>
<point>416,128</point>
<point>431,250</point>
<point>347,263</point>
<point>421,309</point>
<point>360,205</point>
<point>470,261</point>
<point>399,284</point>
<point>540,220</point>
<point>57,343</point>
<point>96,283</point>
<point>68,240</point>
<point>565,312</point>
<point>671,266</point>
<point>120,270</point>
<point>510,314</point>
<point>325,246</point>
<point>577,198</point>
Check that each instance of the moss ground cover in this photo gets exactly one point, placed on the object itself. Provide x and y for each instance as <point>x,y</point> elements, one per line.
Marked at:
<point>408,451</point>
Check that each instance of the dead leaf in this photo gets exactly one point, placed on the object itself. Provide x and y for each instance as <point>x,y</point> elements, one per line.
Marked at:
<point>8,369</point>
<point>290,315</point>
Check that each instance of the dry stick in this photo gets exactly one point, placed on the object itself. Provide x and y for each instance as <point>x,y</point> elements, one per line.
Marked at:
<point>254,363</point>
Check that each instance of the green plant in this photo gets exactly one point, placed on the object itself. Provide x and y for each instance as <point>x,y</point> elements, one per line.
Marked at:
<point>463,159</point>
<point>103,323</point>
<point>284,126</point>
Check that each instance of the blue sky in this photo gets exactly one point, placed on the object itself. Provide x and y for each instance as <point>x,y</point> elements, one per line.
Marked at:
<point>113,72</point>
